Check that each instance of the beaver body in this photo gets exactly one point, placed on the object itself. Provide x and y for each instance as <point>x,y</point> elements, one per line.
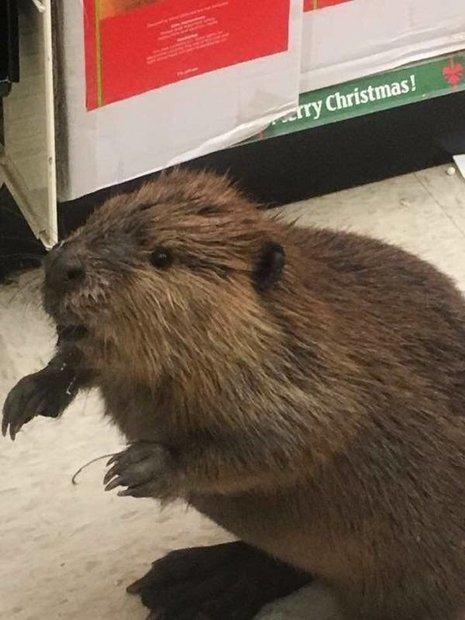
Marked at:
<point>307,386</point>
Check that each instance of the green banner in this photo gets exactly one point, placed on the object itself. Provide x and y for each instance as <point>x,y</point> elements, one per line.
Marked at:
<point>433,78</point>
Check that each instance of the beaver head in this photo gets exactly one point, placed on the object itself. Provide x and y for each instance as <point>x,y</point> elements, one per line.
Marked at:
<point>158,277</point>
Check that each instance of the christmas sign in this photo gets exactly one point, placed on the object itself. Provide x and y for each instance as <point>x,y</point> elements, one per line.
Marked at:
<point>133,46</point>
<point>440,76</point>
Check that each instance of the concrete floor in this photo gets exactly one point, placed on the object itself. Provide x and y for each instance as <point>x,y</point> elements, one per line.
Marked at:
<point>68,551</point>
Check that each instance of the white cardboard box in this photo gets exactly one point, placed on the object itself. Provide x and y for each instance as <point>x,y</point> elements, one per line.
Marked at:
<point>361,37</point>
<point>171,124</point>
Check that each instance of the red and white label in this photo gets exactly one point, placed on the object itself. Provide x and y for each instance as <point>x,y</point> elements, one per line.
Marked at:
<point>166,41</point>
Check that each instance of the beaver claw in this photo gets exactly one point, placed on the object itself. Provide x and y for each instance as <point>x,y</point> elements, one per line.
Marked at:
<point>47,393</point>
<point>146,469</point>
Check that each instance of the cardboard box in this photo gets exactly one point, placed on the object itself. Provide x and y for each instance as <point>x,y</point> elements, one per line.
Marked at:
<point>152,83</point>
<point>357,38</point>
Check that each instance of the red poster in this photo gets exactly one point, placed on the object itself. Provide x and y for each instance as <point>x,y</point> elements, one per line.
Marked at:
<point>311,5</point>
<point>133,46</point>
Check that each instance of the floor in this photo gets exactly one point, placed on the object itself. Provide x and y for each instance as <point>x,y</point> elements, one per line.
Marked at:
<point>67,551</point>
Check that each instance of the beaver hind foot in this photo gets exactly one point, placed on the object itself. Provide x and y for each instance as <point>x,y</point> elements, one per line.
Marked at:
<point>231,581</point>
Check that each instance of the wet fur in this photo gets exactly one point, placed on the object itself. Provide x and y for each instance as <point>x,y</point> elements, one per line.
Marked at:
<point>319,417</point>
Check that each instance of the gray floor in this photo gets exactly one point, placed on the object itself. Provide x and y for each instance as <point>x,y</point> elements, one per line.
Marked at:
<point>68,551</point>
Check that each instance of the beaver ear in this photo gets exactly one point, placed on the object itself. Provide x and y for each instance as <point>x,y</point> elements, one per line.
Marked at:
<point>269,267</point>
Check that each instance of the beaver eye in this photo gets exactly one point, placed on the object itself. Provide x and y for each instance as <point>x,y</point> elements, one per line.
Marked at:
<point>161,258</point>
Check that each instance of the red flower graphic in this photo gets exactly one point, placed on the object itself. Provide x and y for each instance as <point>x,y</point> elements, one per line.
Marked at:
<point>453,73</point>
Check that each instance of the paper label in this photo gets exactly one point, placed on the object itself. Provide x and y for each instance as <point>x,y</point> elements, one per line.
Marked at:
<point>133,46</point>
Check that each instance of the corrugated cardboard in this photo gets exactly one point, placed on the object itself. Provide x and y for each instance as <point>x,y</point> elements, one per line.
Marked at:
<point>360,37</point>
<point>174,122</point>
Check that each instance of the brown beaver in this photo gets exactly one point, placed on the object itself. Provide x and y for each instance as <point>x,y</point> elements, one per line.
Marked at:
<point>303,388</point>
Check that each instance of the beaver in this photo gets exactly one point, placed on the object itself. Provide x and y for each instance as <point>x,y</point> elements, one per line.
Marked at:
<point>303,388</point>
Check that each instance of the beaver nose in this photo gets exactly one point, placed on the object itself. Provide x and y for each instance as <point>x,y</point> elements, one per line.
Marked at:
<point>64,270</point>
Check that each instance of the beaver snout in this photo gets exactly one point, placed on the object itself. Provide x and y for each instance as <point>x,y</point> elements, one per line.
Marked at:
<point>64,270</point>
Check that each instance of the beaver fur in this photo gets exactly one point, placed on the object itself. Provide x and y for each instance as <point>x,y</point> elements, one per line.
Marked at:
<point>303,388</point>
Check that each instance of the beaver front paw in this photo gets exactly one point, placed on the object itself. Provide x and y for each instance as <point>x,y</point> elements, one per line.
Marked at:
<point>47,393</point>
<point>146,469</point>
